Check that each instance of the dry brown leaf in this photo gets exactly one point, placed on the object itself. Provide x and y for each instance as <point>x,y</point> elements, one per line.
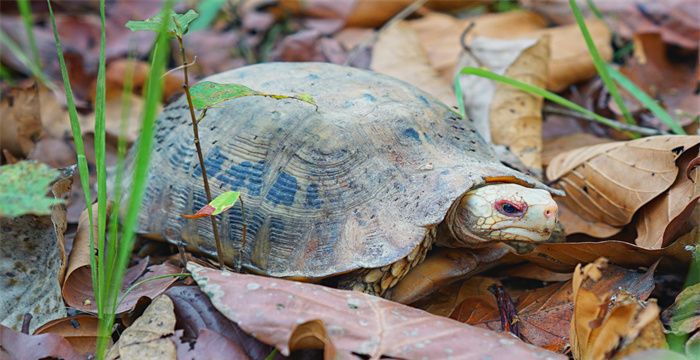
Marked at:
<point>608,183</point>
<point>535,272</point>
<point>478,92</point>
<point>80,331</point>
<point>544,314</point>
<point>16,345</point>
<point>77,287</point>
<point>32,263</point>
<point>670,82</point>
<point>563,257</point>
<point>474,290</point>
<point>197,316</point>
<point>21,120</point>
<point>398,53</point>
<point>555,146</point>
<point>570,60</point>
<point>614,323</point>
<point>660,221</point>
<point>211,345</point>
<point>355,322</point>
<point>440,34</point>
<point>442,267</point>
<point>312,335</point>
<point>515,115</point>
<point>149,337</point>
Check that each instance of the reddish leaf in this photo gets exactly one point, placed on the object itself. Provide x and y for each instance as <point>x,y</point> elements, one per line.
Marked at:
<point>205,211</point>
<point>271,309</point>
<point>80,331</point>
<point>15,345</point>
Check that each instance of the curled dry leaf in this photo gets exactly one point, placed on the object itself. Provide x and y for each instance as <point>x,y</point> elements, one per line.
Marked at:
<point>80,331</point>
<point>21,120</point>
<point>16,345</point>
<point>606,184</point>
<point>660,221</point>
<point>611,324</point>
<point>150,336</point>
<point>355,322</point>
<point>32,262</point>
<point>399,53</point>
<point>77,287</point>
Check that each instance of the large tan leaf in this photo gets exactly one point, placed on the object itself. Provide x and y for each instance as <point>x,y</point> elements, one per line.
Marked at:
<point>79,330</point>
<point>608,183</point>
<point>555,146</point>
<point>516,116</point>
<point>398,53</point>
<point>477,92</point>
<point>659,221</point>
<point>21,120</point>
<point>270,309</point>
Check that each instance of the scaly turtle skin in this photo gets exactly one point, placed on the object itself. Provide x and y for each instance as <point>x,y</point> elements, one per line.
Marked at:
<point>361,187</point>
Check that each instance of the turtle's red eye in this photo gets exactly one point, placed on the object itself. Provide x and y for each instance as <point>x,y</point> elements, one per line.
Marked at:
<point>509,208</point>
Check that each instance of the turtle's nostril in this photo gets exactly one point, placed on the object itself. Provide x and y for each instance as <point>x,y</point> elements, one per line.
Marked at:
<point>551,211</point>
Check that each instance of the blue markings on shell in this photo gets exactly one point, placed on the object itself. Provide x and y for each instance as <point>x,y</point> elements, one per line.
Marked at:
<point>283,190</point>
<point>312,199</point>
<point>313,77</point>
<point>246,175</point>
<point>213,163</point>
<point>369,97</point>
<point>412,133</point>
<point>424,100</point>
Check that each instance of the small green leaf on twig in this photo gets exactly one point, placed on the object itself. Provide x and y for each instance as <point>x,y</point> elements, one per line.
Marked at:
<point>179,25</point>
<point>23,188</point>
<point>220,204</point>
<point>207,94</point>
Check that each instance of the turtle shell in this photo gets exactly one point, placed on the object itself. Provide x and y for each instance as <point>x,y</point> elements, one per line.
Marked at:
<point>351,184</point>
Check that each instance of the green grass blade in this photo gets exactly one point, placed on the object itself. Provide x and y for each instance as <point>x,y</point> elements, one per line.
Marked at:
<point>25,11</point>
<point>119,171</point>
<point>207,10</point>
<point>460,95</point>
<point>594,9</point>
<point>22,57</point>
<point>646,100</point>
<point>535,91</point>
<point>79,148</point>
<point>159,57</point>
<point>599,63</point>
<point>100,158</point>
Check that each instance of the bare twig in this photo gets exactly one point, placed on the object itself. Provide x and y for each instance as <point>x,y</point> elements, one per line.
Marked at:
<point>195,131</point>
<point>554,109</point>
<point>408,10</point>
<point>26,321</point>
<point>244,229</point>
<point>183,66</point>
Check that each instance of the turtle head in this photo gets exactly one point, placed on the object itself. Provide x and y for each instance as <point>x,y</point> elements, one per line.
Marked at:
<point>504,212</point>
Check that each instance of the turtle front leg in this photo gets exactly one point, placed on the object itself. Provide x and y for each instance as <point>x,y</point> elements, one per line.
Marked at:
<point>376,281</point>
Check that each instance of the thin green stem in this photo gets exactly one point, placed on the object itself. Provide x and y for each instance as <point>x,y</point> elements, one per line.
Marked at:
<point>600,64</point>
<point>646,100</point>
<point>200,155</point>
<point>101,166</point>
<point>144,147</point>
<point>79,149</point>
<point>532,90</point>
<point>25,11</point>
<point>22,57</point>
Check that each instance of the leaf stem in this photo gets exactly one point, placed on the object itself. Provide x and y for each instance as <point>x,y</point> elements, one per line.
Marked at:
<point>554,109</point>
<point>198,146</point>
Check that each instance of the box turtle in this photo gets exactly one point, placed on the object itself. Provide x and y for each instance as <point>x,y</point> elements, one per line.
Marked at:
<point>358,189</point>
